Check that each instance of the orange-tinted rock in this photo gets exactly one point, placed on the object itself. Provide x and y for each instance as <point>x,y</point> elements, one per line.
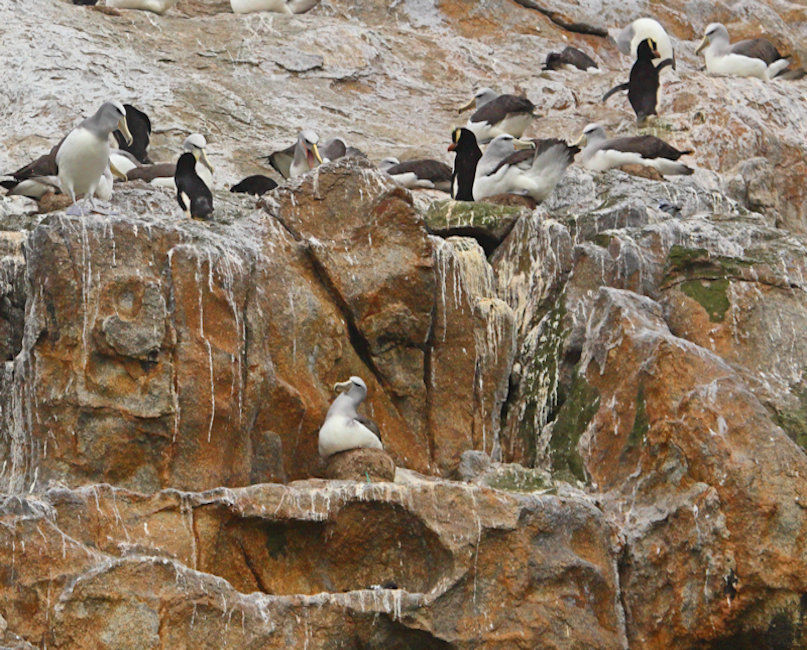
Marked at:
<point>314,562</point>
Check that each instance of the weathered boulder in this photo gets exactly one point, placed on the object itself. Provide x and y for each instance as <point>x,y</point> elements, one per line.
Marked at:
<point>427,565</point>
<point>371,465</point>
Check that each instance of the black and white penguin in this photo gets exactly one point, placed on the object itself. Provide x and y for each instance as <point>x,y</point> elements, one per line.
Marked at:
<point>193,196</point>
<point>468,153</point>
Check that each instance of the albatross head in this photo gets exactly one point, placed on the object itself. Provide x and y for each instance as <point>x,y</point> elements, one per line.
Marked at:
<point>308,140</point>
<point>592,132</point>
<point>715,32</point>
<point>111,116</point>
<point>480,98</point>
<point>354,387</point>
<point>196,144</point>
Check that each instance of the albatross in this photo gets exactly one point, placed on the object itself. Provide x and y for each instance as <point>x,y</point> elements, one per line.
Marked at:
<point>423,173</point>
<point>530,168</point>
<point>278,6</point>
<point>155,6</point>
<point>344,428</point>
<point>756,57</point>
<point>162,174</point>
<point>496,114</point>
<point>303,151</point>
<point>570,59</point>
<point>83,156</point>
<point>601,153</point>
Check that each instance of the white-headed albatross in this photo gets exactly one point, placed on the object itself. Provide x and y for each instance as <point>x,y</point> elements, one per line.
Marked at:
<point>344,428</point>
<point>756,57</point>
<point>162,174</point>
<point>600,153</point>
<point>83,155</point>
<point>496,114</point>
<point>530,168</point>
<point>154,6</point>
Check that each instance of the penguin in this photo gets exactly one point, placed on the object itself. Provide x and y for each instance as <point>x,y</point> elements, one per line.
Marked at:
<point>468,153</point>
<point>193,196</point>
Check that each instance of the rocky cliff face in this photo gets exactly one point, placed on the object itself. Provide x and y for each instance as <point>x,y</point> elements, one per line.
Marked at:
<point>598,408</point>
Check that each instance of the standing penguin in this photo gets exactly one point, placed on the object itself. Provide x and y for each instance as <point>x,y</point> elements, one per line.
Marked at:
<point>468,153</point>
<point>643,83</point>
<point>193,196</point>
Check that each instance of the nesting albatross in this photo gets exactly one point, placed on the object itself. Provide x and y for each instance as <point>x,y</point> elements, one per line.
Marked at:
<point>496,114</point>
<point>423,173</point>
<point>162,174</point>
<point>529,168</point>
<point>756,57</point>
<point>570,59</point>
<point>277,6</point>
<point>344,428</point>
<point>306,153</point>
<point>601,154</point>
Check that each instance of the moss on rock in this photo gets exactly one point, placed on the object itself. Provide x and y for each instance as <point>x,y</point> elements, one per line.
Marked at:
<point>710,294</point>
<point>573,419</point>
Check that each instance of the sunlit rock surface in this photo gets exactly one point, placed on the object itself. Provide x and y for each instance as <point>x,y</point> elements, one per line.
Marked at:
<point>617,377</point>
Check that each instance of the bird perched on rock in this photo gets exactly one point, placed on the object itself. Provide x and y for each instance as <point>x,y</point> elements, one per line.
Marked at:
<point>257,185</point>
<point>423,173</point>
<point>570,59</point>
<point>140,127</point>
<point>83,156</point>
<point>162,174</point>
<point>643,83</point>
<point>756,57</point>
<point>600,153</point>
<point>193,196</point>
<point>496,114</point>
<point>529,168</point>
<point>640,29</point>
<point>468,154</point>
<point>305,154</point>
<point>278,6</point>
<point>344,428</point>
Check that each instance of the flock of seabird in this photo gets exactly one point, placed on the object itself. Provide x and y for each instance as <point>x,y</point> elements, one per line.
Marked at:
<point>83,163</point>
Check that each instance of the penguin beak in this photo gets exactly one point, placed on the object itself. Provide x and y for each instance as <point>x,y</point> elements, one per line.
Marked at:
<point>205,161</point>
<point>342,386</point>
<point>117,172</point>
<point>703,45</point>
<point>317,156</point>
<point>522,145</point>
<point>124,128</point>
<point>465,107</point>
<point>452,146</point>
<point>655,54</point>
<point>581,140</point>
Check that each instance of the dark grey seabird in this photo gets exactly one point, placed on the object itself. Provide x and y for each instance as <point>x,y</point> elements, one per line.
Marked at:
<point>569,58</point>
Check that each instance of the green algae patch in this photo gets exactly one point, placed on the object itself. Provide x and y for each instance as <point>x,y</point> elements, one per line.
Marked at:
<point>521,479</point>
<point>794,420</point>
<point>573,418</point>
<point>698,263</point>
<point>443,215</point>
<point>710,294</point>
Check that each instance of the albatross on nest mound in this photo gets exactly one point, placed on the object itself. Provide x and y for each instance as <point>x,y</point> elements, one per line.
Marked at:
<point>496,114</point>
<point>601,154</point>
<point>530,168</point>
<point>308,154</point>
<point>155,6</point>
<point>344,428</point>
<point>756,57</point>
<point>570,59</point>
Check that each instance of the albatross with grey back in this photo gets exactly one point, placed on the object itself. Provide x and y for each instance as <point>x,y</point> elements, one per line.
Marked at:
<point>283,159</point>
<point>570,58</point>
<point>83,156</point>
<point>162,174</point>
<point>155,6</point>
<point>277,6</point>
<point>529,168</point>
<point>423,173</point>
<point>640,29</point>
<point>496,114</point>
<point>344,428</point>
<point>600,153</point>
<point>756,57</point>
